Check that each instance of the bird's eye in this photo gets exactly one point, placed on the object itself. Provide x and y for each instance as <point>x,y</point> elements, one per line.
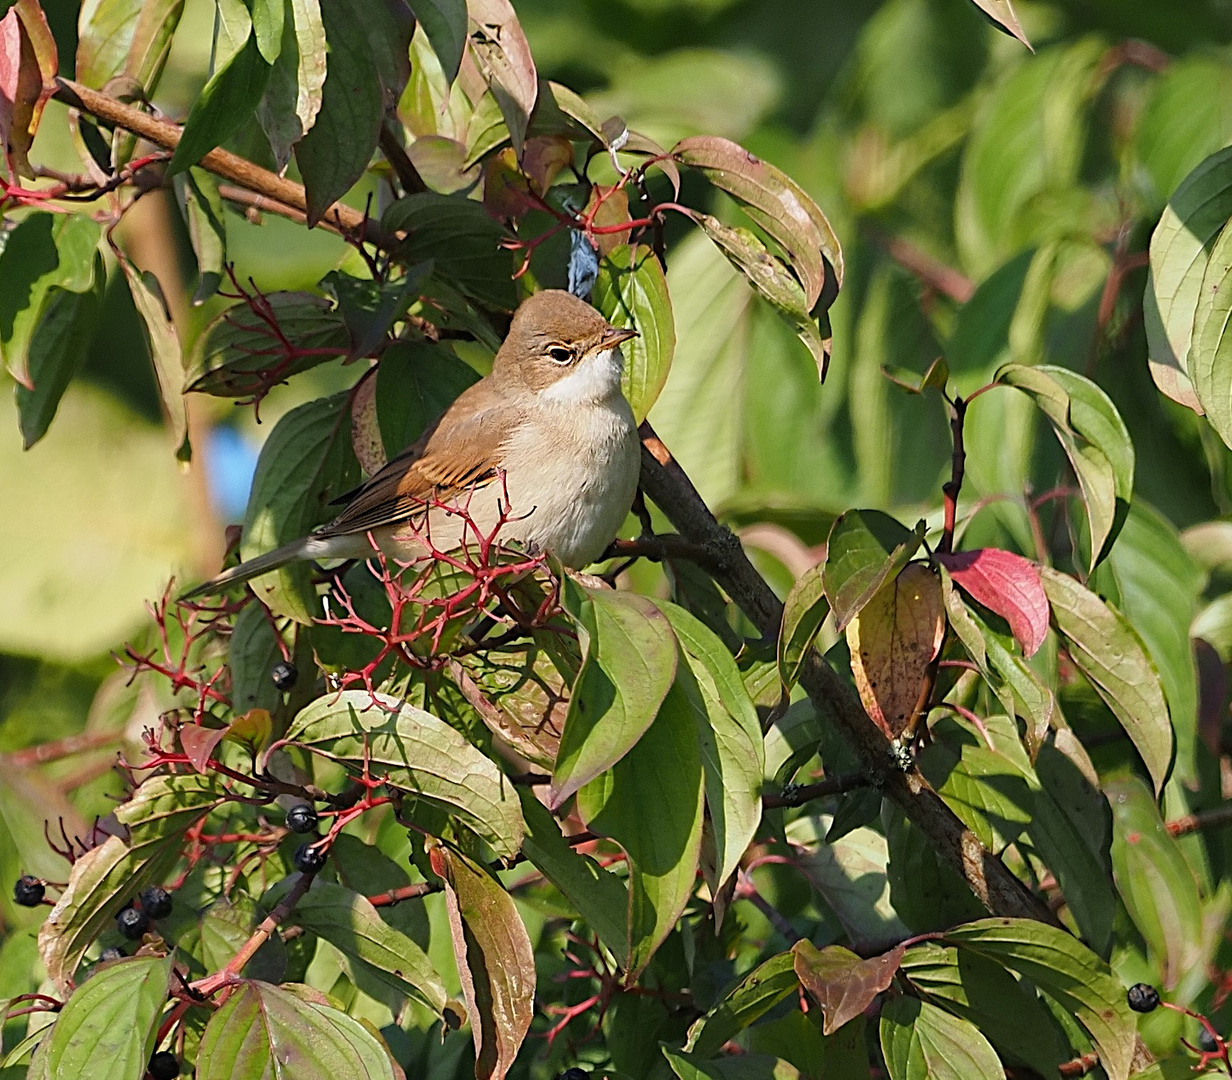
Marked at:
<point>560,355</point>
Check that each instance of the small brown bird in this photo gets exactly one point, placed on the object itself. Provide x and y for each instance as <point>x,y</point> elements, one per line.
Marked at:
<point>547,439</point>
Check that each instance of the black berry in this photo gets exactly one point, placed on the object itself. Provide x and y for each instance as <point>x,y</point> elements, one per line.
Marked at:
<point>132,923</point>
<point>1142,997</point>
<point>164,1066</point>
<point>308,859</point>
<point>575,1074</point>
<point>285,675</point>
<point>28,891</point>
<point>156,902</point>
<point>112,953</point>
<point>1206,1042</point>
<point>301,818</point>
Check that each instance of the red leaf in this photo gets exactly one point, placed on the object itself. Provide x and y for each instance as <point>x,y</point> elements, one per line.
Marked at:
<point>1007,584</point>
<point>27,80</point>
<point>840,982</point>
<point>199,743</point>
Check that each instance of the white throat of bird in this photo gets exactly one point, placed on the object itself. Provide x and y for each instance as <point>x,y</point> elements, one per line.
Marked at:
<point>595,378</point>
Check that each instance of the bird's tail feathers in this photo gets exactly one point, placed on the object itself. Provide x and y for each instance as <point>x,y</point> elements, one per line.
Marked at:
<point>251,568</point>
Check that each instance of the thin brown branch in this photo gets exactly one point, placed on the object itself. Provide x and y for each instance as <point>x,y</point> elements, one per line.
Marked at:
<point>81,743</point>
<point>265,205</point>
<point>1215,818</point>
<point>834,785</point>
<point>932,272</point>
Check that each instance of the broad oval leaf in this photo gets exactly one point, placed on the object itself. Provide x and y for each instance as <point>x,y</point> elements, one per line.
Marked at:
<point>262,1028</point>
<point>750,999</point>
<point>415,752</point>
<point>504,57</point>
<point>251,655</point>
<point>235,353</point>
<point>1110,654</point>
<point>920,1040</point>
<point>1060,965</point>
<point>804,610</point>
<point>496,963</point>
<point>893,641</point>
<point>28,65</point>
<point>631,291</point>
<point>629,666</point>
<point>1095,440</point>
<point>840,982</point>
<point>1210,352</point>
<point>1007,584</point>
<point>866,547</point>
<point>108,1026</point>
<point>1155,882</point>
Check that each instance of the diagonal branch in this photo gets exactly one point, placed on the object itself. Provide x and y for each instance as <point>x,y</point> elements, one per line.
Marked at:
<point>666,483</point>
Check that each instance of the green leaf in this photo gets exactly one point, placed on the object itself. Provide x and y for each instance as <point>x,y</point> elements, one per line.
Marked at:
<point>631,290</point>
<point>370,308</point>
<point>462,241</point>
<point>866,549</point>
<point>207,230</point>
<point>44,252</point>
<point>1007,1012</point>
<point>1155,882</point>
<point>1094,438</point>
<point>750,999</point>
<point>630,663</point>
<point>293,97</point>
<point>1210,348</point>
<point>262,1027</point>
<point>415,752</point>
<point>729,735</point>
<point>267,23</point>
<point>103,880</point>
<point>415,384</point>
<point>804,610</point>
<point>504,57</point>
<point>125,37</point>
<point>1060,965</point>
<point>920,1040</point>
<point>444,21</point>
<point>226,925</point>
<point>335,151</point>
<point>776,202</point>
<point>56,349</point>
<point>378,952</point>
<point>228,102</point>
<point>598,895</point>
<point>1110,654</point>
<point>738,1067</point>
<point>306,460</point>
<point>251,656</point>
<point>108,1026</point>
<point>163,341</point>
<point>496,963</point>
<point>663,770</point>
<point>1180,252</point>
<point>842,983</point>
<point>240,346</point>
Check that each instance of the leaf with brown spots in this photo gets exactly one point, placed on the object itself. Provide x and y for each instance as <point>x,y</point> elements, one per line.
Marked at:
<point>893,640</point>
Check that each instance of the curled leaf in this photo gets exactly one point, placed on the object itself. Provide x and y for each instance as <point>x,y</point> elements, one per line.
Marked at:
<point>1007,584</point>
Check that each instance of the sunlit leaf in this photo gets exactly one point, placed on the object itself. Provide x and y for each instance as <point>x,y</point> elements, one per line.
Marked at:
<point>1007,584</point>
<point>164,343</point>
<point>919,1039</point>
<point>293,97</point>
<point>1002,13</point>
<point>804,610</point>
<point>28,64</point>
<point>865,549</point>
<point>504,57</point>
<point>840,982</point>
<point>750,999</point>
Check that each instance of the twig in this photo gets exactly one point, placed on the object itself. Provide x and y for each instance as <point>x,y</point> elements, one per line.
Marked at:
<point>798,796</point>
<point>932,272</point>
<point>1214,818</point>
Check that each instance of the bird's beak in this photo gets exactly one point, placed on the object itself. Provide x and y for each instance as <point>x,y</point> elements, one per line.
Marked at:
<point>614,335</point>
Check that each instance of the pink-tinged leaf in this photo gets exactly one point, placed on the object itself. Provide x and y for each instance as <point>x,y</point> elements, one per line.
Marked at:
<point>1002,13</point>
<point>496,964</point>
<point>503,55</point>
<point>840,982</point>
<point>28,65</point>
<point>199,743</point>
<point>1007,584</point>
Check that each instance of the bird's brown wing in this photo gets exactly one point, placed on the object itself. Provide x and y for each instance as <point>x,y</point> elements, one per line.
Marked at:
<point>460,451</point>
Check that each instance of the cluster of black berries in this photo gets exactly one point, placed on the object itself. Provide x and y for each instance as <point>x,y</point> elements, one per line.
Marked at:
<point>133,922</point>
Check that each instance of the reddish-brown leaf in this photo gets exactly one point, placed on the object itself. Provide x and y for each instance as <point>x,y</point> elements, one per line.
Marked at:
<point>1002,13</point>
<point>893,640</point>
<point>840,982</point>
<point>503,55</point>
<point>199,743</point>
<point>28,65</point>
<point>496,963</point>
<point>1007,584</point>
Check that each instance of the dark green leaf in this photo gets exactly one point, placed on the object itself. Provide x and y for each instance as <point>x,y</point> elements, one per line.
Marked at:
<point>866,549</point>
<point>107,1027</point>
<point>750,999</point>
<point>417,753</point>
<point>840,982</point>
<point>293,97</point>
<point>228,102</point>
<point>444,21</point>
<point>415,384</point>
<point>370,308</point>
<point>251,656</point>
<point>804,610</point>
<point>226,925</point>
<point>1110,654</point>
<point>631,290</point>
<point>736,1067</point>
<point>495,961</point>
<point>207,229</point>
<point>920,1040</point>
<point>262,1027</point>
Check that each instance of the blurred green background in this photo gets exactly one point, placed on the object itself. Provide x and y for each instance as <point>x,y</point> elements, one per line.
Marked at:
<point>982,194</point>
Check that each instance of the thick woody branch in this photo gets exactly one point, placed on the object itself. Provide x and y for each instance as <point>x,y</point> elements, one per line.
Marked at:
<point>665,482</point>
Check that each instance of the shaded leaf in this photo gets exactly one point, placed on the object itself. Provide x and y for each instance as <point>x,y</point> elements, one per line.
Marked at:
<point>804,610</point>
<point>226,925</point>
<point>293,97</point>
<point>415,384</point>
<point>251,655</point>
<point>1110,654</point>
<point>496,963</point>
<point>417,753</point>
<point>164,344</point>
<point>1007,584</point>
<point>444,21</point>
<point>750,999</point>
<point>124,37</point>
<point>370,308</point>
<point>631,290</point>
<point>919,1039</point>
<point>261,1027</point>
<point>207,230</point>
<point>893,641</point>
<point>840,982</point>
<point>866,548</point>
<point>504,57</point>
<point>739,1067</point>
<point>630,663</point>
